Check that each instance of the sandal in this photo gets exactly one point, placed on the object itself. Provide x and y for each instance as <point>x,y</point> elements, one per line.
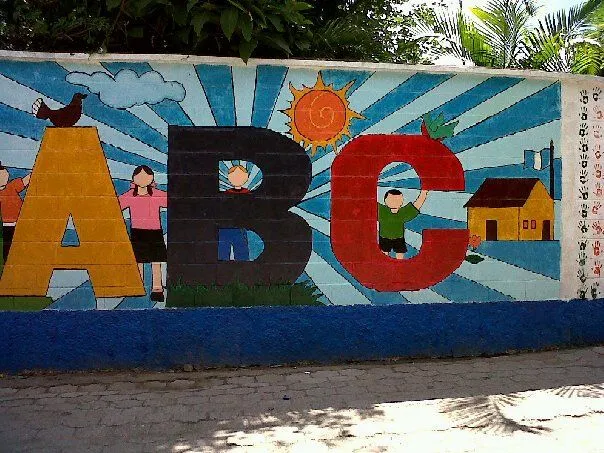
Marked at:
<point>157,296</point>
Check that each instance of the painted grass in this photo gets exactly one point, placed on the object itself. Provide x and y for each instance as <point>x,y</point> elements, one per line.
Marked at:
<point>241,295</point>
<point>26,303</point>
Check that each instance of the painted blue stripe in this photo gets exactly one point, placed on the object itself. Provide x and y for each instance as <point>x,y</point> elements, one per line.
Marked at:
<point>48,78</point>
<point>162,339</point>
<point>319,179</point>
<point>425,221</point>
<point>17,122</point>
<point>169,110</point>
<point>399,168</point>
<point>322,246</point>
<point>542,257</point>
<point>412,88</point>
<point>141,302</point>
<point>172,113</point>
<point>269,81</point>
<point>80,298</point>
<point>319,205</point>
<point>340,77</point>
<point>466,101</point>
<point>256,181</point>
<point>535,110</point>
<point>118,154</point>
<point>139,67</point>
<point>459,289</point>
<point>407,183</point>
<point>217,83</point>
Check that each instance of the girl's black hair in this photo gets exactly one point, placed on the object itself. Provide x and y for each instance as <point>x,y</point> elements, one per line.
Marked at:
<point>136,171</point>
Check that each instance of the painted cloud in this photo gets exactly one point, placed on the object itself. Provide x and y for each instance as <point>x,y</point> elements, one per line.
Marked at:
<point>126,89</point>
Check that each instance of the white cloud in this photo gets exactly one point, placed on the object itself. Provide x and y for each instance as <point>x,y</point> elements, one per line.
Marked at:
<point>126,89</point>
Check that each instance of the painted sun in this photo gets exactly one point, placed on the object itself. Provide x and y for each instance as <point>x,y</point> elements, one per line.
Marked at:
<point>320,115</point>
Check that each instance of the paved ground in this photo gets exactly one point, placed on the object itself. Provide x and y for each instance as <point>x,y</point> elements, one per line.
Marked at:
<point>544,402</point>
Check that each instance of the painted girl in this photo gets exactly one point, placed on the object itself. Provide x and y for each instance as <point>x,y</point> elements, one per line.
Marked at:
<point>145,202</point>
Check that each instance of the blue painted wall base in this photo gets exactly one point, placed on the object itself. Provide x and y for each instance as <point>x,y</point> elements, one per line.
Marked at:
<point>155,339</point>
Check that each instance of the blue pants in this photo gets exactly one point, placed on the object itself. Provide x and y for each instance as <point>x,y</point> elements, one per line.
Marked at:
<point>236,238</point>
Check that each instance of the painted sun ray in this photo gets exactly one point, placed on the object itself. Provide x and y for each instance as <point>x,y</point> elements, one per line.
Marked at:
<point>217,84</point>
<point>464,102</point>
<point>269,83</point>
<point>405,93</point>
<point>500,102</point>
<point>424,296</point>
<point>341,77</point>
<point>278,120</point>
<point>108,303</point>
<point>332,284</point>
<point>445,92</point>
<point>18,96</point>
<point>320,116</point>
<point>53,85</point>
<point>244,82</point>
<point>143,112</point>
<point>518,283</point>
<point>316,222</point>
<point>378,85</point>
<point>511,120</point>
<point>317,191</point>
<point>64,281</point>
<point>195,104</point>
<point>489,155</point>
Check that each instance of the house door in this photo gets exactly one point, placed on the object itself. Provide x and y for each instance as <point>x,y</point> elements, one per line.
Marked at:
<point>491,230</point>
<point>546,233</point>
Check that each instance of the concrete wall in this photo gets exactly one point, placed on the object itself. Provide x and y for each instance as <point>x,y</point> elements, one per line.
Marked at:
<point>265,183</point>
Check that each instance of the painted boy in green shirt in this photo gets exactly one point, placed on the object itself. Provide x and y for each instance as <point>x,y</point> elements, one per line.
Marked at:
<point>392,216</point>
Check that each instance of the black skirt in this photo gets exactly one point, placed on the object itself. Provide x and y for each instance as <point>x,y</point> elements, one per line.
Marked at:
<point>148,245</point>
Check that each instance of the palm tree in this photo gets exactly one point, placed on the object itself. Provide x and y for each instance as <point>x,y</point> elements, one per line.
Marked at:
<point>494,36</point>
<point>570,41</point>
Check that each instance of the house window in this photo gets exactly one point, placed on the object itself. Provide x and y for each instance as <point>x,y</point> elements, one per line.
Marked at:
<point>533,224</point>
<point>525,224</point>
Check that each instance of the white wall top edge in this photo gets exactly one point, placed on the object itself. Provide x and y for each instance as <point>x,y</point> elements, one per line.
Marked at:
<point>323,64</point>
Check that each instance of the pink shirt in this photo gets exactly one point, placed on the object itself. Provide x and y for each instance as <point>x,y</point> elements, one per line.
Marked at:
<point>144,209</point>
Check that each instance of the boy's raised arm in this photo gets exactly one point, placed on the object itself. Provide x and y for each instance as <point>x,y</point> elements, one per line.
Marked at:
<point>421,199</point>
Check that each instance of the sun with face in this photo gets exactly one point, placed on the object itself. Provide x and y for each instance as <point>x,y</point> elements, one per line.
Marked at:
<point>320,115</point>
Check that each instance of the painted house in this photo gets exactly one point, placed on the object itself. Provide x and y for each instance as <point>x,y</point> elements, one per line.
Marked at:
<point>511,209</point>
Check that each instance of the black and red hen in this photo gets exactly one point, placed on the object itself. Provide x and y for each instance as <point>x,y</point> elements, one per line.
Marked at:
<point>63,117</point>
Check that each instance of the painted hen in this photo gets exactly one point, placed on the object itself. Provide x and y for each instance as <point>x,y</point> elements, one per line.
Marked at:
<point>63,117</point>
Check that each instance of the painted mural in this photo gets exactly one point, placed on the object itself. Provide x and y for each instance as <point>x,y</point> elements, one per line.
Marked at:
<point>149,185</point>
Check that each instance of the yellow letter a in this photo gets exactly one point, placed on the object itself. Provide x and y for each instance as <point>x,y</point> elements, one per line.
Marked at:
<point>70,177</point>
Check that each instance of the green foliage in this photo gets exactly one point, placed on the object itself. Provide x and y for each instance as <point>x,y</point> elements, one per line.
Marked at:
<point>474,259</point>
<point>436,127</point>
<point>494,35</point>
<point>370,30</point>
<point>570,40</point>
<point>499,35</point>
<point>241,295</point>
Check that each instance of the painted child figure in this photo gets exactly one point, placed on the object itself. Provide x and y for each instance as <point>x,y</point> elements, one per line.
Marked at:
<point>145,202</point>
<point>10,206</point>
<point>392,216</point>
<point>235,238</point>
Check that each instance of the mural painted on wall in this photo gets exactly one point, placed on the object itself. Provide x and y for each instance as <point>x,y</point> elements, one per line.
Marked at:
<point>141,185</point>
